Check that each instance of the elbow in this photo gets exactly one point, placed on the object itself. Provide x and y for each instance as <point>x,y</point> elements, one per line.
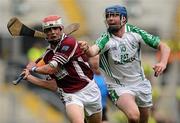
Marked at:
<point>165,47</point>
<point>168,49</point>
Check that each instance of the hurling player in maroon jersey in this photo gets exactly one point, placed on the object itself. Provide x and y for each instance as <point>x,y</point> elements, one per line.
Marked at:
<point>70,74</point>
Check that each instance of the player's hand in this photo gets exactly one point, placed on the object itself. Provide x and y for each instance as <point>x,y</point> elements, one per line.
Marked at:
<point>84,46</point>
<point>26,73</point>
<point>30,66</point>
<point>158,69</point>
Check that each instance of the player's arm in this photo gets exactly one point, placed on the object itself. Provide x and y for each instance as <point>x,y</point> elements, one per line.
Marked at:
<point>154,42</point>
<point>40,67</point>
<point>43,69</point>
<point>146,37</point>
<point>89,50</point>
<point>61,56</point>
<point>164,56</point>
<point>95,49</point>
<point>48,84</point>
<point>165,52</point>
<point>94,64</point>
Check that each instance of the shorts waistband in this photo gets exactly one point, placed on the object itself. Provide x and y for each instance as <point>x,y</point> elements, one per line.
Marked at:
<point>91,83</point>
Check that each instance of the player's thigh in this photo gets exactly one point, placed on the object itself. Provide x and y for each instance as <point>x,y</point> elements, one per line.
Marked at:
<point>126,102</point>
<point>75,113</point>
<point>91,98</point>
<point>95,118</point>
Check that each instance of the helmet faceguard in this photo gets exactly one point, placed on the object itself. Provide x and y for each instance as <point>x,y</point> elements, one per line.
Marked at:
<point>116,10</point>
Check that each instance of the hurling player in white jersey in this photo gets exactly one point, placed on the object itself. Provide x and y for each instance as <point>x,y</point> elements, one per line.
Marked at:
<point>120,61</point>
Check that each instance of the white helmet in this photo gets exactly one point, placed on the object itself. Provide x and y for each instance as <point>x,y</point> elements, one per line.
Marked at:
<point>52,21</point>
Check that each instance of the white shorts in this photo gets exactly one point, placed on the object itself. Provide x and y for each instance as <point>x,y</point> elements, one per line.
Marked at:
<point>89,97</point>
<point>141,90</point>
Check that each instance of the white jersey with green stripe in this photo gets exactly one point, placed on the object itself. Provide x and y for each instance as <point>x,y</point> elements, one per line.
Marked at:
<point>120,58</point>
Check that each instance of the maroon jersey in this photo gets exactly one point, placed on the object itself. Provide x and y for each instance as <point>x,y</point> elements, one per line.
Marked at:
<point>74,71</point>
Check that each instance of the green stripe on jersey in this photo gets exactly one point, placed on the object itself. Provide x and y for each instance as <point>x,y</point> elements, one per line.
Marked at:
<point>101,41</point>
<point>151,40</point>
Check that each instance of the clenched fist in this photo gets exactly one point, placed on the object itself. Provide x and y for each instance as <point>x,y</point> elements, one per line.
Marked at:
<point>84,46</point>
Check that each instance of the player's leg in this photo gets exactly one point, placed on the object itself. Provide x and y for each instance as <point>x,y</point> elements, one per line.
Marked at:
<point>93,106</point>
<point>73,105</point>
<point>104,114</point>
<point>75,113</point>
<point>144,100</point>
<point>144,114</point>
<point>126,103</point>
<point>95,118</point>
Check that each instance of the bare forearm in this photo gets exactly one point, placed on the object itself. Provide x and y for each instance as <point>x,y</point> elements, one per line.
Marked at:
<point>45,69</point>
<point>51,85</point>
<point>41,69</point>
<point>165,52</point>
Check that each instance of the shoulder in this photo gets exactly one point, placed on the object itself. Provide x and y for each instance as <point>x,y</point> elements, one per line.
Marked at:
<point>132,28</point>
<point>66,45</point>
<point>103,36</point>
<point>102,40</point>
<point>146,37</point>
<point>133,35</point>
<point>135,29</point>
<point>69,41</point>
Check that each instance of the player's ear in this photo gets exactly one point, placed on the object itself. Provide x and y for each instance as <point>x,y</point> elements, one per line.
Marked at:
<point>124,19</point>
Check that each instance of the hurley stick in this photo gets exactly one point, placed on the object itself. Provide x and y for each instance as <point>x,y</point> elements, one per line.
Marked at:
<point>17,28</point>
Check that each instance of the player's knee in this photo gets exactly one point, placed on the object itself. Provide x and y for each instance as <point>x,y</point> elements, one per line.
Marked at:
<point>134,116</point>
<point>133,119</point>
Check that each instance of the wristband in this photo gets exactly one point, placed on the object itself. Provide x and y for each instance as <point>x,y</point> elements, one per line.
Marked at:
<point>33,69</point>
